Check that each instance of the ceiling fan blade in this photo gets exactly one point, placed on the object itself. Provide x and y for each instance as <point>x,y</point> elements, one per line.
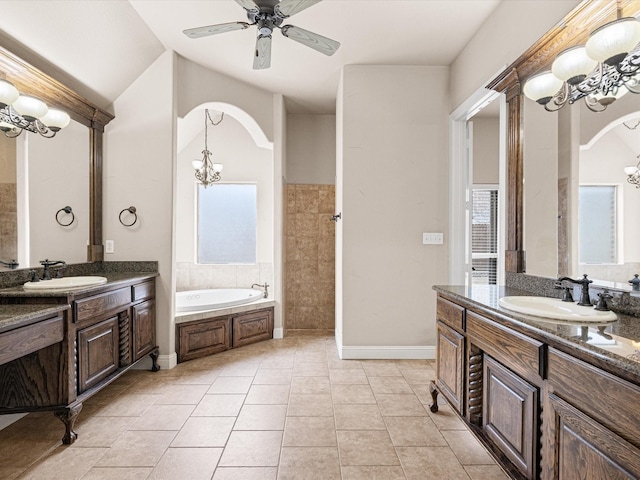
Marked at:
<point>214,29</point>
<point>286,8</point>
<point>262,57</point>
<point>248,5</point>
<point>317,42</point>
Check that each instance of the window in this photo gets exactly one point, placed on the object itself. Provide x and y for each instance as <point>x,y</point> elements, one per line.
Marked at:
<point>597,212</point>
<point>484,236</point>
<point>227,215</point>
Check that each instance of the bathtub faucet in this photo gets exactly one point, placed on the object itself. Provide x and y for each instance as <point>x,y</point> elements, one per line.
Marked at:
<point>265,286</point>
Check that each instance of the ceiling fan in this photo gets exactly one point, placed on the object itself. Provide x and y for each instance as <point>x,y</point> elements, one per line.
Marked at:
<point>268,15</point>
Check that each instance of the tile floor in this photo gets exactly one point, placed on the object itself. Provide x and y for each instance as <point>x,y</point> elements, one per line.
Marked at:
<point>282,409</point>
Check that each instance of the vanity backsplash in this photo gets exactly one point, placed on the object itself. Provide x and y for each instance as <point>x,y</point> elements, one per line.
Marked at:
<point>624,300</point>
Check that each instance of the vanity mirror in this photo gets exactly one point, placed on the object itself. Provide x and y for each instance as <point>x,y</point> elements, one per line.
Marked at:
<point>52,173</point>
<point>544,156</point>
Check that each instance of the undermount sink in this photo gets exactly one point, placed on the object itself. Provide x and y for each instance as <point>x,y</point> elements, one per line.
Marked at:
<point>65,283</point>
<point>555,308</point>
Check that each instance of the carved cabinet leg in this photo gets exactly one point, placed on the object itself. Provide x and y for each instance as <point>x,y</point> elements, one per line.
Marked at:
<point>68,416</point>
<point>434,396</point>
<point>154,359</point>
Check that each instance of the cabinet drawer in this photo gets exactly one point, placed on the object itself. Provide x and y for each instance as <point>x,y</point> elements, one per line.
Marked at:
<point>107,302</point>
<point>450,313</point>
<point>602,396</point>
<point>524,355</point>
<point>252,327</point>
<point>144,328</point>
<point>510,415</point>
<point>31,338</point>
<point>450,366</point>
<point>97,352</point>
<point>143,291</point>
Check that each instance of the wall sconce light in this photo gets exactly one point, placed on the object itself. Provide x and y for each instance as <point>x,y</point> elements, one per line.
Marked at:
<point>207,172</point>
<point>633,174</point>
<point>600,72</point>
<point>22,112</point>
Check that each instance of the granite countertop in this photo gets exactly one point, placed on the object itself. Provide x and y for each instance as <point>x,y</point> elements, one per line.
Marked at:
<point>113,278</point>
<point>616,343</point>
<point>16,316</point>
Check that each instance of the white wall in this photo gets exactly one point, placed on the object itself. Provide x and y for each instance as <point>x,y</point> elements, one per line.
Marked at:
<point>243,161</point>
<point>540,152</point>
<point>391,187</point>
<point>311,149</point>
<point>603,163</point>
<point>139,170</point>
<point>58,177</point>
<point>486,153</point>
<point>510,30</point>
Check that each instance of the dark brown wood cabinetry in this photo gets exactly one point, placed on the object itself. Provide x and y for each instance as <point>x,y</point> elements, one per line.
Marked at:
<point>200,338</point>
<point>538,404</point>
<point>57,362</point>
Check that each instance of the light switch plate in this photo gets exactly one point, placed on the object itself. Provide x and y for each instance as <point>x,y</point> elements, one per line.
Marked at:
<point>108,246</point>
<point>432,238</point>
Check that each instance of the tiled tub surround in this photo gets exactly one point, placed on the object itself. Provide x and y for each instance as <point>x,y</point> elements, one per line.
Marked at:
<point>309,268</point>
<point>191,276</point>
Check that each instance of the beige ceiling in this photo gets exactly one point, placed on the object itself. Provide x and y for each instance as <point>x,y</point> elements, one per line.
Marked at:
<point>101,46</point>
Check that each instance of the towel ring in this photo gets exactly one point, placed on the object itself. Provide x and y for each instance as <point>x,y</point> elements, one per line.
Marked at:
<point>132,211</point>
<point>66,210</point>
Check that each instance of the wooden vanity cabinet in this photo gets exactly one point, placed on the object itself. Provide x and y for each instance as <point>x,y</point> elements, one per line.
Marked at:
<point>541,410</point>
<point>107,330</point>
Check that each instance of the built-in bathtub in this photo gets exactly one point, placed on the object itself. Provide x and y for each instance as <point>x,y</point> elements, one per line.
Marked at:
<point>215,298</point>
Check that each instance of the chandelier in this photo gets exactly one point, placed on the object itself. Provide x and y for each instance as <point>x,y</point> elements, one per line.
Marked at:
<point>207,172</point>
<point>633,174</point>
<point>23,112</point>
<point>601,71</point>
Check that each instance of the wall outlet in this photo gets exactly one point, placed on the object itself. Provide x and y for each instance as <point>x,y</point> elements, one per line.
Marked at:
<point>108,246</point>
<point>432,238</point>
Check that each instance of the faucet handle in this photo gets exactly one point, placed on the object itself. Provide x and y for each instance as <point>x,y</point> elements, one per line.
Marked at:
<point>602,301</point>
<point>33,276</point>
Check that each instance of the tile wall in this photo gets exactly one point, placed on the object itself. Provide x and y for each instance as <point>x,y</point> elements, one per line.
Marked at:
<point>191,276</point>
<point>309,269</point>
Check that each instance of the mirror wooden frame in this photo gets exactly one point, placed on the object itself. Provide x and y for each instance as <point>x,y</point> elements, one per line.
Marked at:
<point>574,29</point>
<point>31,81</point>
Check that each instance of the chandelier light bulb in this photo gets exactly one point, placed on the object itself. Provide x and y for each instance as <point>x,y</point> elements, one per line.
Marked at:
<point>217,167</point>
<point>611,43</point>
<point>542,87</point>
<point>31,108</point>
<point>573,65</point>
<point>630,171</point>
<point>197,164</point>
<point>8,93</point>
<point>55,119</point>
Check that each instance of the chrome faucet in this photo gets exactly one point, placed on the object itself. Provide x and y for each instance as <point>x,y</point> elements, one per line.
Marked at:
<point>46,274</point>
<point>265,286</point>
<point>585,299</point>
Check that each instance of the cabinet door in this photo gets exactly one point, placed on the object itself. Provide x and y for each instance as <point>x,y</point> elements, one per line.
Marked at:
<point>252,327</point>
<point>510,415</point>
<point>144,328</point>
<point>204,337</point>
<point>449,370</point>
<point>584,449</point>
<point>97,352</point>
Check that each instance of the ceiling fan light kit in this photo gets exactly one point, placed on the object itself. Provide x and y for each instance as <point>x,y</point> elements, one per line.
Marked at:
<point>268,15</point>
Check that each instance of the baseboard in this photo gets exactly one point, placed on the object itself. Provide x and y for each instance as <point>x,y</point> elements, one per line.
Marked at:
<point>426,352</point>
<point>166,362</point>
<point>278,333</point>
